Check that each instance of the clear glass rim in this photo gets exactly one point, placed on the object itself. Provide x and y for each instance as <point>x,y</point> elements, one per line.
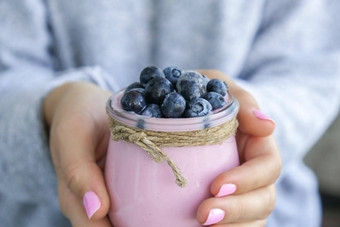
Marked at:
<point>131,119</point>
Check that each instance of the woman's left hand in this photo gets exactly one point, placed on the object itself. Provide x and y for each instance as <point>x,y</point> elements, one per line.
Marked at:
<point>79,135</point>
<point>245,195</point>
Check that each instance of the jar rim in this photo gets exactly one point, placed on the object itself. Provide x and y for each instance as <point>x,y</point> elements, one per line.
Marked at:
<point>131,119</point>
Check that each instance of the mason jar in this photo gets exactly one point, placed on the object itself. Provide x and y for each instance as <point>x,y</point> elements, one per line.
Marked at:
<point>143,191</point>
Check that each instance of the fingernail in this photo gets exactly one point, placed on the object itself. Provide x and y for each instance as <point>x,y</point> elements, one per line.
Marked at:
<point>91,203</point>
<point>226,189</point>
<point>215,215</point>
<point>262,116</point>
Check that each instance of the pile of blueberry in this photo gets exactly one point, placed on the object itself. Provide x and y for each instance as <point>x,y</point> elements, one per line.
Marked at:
<point>173,93</point>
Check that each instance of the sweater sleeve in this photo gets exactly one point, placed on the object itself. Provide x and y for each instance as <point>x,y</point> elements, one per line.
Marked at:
<point>27,74</point>
<point>293,70</point>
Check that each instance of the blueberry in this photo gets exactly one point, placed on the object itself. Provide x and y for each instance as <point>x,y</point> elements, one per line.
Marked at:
<point>134,85</point>
<point>218,86</point>
<point>173,105</point>
<point>216,100</point>
<point>140,124</point>
<point>157,88</point>
<point>149,73</point>
<point>191,85</point>
<point>197,108</point>
<point>152,110</point>
<point>172,74</point>
<point>134,100</point>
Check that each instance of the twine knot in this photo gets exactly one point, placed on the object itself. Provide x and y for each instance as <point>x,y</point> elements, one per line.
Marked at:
<point>137,137</point>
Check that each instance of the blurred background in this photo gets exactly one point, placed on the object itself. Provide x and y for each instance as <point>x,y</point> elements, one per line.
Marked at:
<point>324,159</point>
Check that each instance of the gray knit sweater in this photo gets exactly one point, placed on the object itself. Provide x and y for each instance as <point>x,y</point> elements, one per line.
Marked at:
<point>285,52</point>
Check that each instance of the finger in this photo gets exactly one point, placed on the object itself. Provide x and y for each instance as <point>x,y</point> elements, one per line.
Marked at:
<point>73,149</point>
<point>81,222</point>
<point>257,223</point>
<point>262,167</point>
<point>254,205</point>
<point>252,120</point>
<point>74,211</point>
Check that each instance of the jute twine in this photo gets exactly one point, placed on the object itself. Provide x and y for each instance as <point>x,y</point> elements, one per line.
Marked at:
<point>151,141</point>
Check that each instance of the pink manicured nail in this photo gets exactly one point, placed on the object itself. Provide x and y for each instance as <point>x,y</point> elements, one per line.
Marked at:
<point>91,203</point>
<point>215,215</point>
<point>262,116</point>
<point>226,189</point>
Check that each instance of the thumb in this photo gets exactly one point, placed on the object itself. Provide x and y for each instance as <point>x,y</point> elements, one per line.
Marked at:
<point>252,120</point>
<point>85,179</point>
<point>73,152</point>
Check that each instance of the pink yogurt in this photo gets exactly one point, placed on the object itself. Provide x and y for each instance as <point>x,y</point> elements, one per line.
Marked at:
<point>143,192</point>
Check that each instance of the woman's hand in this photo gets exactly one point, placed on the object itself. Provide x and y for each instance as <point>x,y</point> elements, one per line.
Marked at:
<point>245,195</point>
<point>79,135</point>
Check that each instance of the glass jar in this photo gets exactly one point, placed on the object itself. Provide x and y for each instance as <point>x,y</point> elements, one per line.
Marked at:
<point>142,191</point>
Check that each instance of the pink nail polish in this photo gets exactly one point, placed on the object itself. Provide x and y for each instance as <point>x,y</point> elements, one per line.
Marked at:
<point>262,116</point>
<point>215,215</point>
<point>226,189</point>
<point>91,203</point>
